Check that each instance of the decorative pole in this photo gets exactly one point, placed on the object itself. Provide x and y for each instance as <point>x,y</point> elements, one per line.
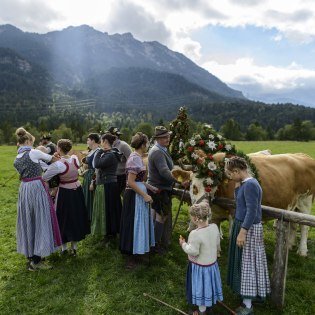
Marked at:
<point>180,129</point>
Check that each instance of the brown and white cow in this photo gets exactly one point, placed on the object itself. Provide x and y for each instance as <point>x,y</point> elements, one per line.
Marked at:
<point>287,180</point>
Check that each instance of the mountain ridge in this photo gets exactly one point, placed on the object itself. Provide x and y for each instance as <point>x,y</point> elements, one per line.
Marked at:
<point>75,54</point>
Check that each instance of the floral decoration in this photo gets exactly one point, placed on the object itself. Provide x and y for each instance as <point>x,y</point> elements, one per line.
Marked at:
<point>200,150</point>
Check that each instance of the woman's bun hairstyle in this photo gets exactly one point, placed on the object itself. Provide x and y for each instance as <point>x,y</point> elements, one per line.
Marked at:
<point>22,135</point>
<point>138,140</point>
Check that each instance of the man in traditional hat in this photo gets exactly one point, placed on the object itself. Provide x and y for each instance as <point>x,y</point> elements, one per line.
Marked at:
<point>46,142</point>
<point>160,165</point>
<point>125,149</point>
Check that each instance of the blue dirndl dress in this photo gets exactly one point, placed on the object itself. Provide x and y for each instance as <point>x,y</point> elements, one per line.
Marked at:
<point>203,284</point>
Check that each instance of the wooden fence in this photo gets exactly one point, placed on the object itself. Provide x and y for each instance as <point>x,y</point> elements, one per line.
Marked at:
<point>280,263</point>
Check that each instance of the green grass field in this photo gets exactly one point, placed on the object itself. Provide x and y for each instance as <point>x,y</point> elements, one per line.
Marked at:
<point>96,282</point>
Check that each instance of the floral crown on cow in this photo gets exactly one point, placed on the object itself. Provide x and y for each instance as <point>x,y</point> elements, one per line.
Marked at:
<point>200,150</point>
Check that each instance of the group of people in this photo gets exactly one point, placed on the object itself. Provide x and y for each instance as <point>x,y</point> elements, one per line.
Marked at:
<point>127,192</point>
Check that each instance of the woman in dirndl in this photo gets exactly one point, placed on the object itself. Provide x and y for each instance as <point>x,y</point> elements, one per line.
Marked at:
<point>203,279</point>
<point>107,202</point>
<point>247,269</point>
<point>70,207</point>
<point>93,140</point>
<point>37,230</point>
<point>137,230</point>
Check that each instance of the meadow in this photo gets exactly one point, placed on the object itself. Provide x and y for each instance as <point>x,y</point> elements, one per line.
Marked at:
<point>96,282</point>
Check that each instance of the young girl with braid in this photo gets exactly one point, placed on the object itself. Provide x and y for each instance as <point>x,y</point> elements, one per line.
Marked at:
<point>247,269</point>
<point>203,282</point>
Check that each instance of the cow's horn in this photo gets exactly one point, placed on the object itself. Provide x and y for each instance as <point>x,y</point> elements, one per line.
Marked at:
<point>185,167</point>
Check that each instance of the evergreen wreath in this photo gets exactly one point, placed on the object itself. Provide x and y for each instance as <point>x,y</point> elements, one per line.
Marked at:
<point>200,150</point>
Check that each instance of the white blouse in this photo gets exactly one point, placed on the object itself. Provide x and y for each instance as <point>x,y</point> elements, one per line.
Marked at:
<point>58,168</point>
<point>36,156</point>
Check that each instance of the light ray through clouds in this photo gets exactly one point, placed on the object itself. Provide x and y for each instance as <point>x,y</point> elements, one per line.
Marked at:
<point>262,44</point>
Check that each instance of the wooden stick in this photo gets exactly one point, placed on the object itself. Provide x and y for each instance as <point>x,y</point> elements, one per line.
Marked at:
<point>179,207</point>
<point>168,305</point>
<point>5,183</point>
<point>226,307</point>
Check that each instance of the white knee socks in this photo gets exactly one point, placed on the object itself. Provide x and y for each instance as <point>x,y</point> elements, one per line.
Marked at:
<point>247,303</point>
<point>74,245</point>
<point>202,308</point>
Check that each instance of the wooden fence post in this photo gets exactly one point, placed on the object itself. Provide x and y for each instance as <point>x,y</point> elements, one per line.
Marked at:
<point>280,263</point>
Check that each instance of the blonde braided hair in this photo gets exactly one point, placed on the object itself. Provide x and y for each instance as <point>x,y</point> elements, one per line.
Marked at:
<point>201,211</point>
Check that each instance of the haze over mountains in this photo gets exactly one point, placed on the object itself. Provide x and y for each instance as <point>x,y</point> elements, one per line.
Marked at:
<point>121,74</point>
<point>76,56</point>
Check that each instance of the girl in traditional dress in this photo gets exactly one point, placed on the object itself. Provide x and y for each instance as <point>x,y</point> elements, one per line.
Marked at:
<point>247,269</point>
<point>203,282</point>
<point>137,232</point>
<point>37,229</point>
<point>93,140</point>
<point>107,203</point>
<point>70,207</point>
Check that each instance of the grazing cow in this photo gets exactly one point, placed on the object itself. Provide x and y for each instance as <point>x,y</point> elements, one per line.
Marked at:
<point>287,180</point>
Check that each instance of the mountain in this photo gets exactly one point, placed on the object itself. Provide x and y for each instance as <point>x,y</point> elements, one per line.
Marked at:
<point>20,76</point>
<point>78,54</point>
<point>136,87</point>
<point>68,68</point>
<point>300,95</point>
<point>23,85</point>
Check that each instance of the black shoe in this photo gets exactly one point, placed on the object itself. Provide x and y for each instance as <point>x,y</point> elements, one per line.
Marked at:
<point>64,253</point>
<point>131,263</point>
<point>73,253</point>
<point>159,249</point>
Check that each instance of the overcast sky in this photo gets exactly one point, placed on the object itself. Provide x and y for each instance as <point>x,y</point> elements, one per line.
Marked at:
<point>269,44</point>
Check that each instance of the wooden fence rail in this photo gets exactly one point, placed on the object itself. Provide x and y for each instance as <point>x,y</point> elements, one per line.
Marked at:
<point>280,263</point>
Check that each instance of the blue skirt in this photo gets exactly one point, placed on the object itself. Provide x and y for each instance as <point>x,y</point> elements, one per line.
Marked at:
<point>136,229</point>
<point>143,232</point>
<point>203,284</point>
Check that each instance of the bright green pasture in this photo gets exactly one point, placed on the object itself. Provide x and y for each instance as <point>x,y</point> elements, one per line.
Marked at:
<point>96,282</point>
<point>277,147</point>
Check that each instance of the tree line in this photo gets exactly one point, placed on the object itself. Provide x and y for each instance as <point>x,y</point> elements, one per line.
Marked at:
<point>76,126</point>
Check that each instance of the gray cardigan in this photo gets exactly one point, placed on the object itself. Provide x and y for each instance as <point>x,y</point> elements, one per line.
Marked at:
<point>125,149</point>
<point>160,165</point>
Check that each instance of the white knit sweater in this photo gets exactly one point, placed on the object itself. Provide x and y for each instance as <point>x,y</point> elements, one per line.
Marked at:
<point>203,244</point>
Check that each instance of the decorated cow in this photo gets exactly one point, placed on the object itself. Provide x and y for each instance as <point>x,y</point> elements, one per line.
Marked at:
<point>287,180</point>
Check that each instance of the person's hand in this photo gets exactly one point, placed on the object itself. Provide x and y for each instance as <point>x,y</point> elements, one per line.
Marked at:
<point>148,198</point>
<point>181,240</point>
<point>186,184</point>
<point>55,158</point>
<point>53,192</point>
<point>156,190</point>
<point>241,238</point>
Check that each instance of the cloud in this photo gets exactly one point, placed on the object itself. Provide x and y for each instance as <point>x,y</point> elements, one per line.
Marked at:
<point>247,3</point>
<point>269,78</point>
<point>296,16</point>
<point>188,47</point>
<point>33,15</point>
<point>128,17</point>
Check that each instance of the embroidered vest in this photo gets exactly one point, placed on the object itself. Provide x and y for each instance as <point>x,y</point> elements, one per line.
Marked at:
<point>69,178</point>
<point>26,167</point>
